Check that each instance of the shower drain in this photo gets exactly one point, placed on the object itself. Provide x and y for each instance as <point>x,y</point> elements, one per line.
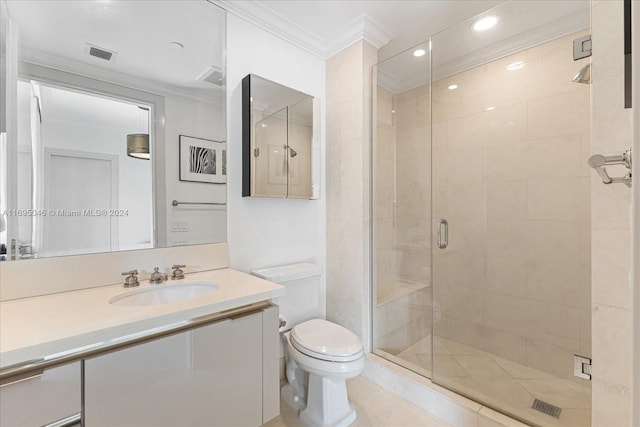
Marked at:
<point>546,408</point>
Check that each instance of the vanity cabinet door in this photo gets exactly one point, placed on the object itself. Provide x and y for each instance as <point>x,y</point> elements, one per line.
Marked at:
<point>42,399</point>
<point>209,376</point>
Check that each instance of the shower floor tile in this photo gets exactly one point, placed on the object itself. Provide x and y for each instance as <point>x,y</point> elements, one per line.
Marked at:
<point>500,383</point>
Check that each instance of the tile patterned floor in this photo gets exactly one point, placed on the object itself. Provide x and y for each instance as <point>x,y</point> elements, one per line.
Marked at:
<point>374,405</point>
<point>501,383</point>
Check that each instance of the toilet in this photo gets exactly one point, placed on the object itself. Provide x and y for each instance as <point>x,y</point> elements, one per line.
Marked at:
<point>320,355</point>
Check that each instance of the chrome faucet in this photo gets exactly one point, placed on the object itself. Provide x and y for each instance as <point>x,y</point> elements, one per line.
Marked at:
<point>157,277</point>
<point>177,272</point>
<point>131,280</point>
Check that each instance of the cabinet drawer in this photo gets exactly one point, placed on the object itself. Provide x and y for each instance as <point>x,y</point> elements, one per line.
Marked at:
<point>42,399</point>
<point>209,376</point>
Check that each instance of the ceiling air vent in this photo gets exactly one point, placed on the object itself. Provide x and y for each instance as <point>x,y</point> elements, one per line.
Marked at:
<point>212,75</point>
<point>99,52</point>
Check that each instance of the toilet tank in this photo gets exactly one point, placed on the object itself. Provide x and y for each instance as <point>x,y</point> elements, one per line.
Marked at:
<point>301,301</point>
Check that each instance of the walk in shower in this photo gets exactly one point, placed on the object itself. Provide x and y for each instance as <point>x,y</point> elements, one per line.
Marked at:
<point>481,210</point>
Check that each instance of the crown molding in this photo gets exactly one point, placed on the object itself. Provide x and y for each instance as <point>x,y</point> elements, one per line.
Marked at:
<point>262,16</point>
<point>361,28</point>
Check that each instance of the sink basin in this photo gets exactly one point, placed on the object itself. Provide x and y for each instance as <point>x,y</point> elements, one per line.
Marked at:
<point>164,294</point>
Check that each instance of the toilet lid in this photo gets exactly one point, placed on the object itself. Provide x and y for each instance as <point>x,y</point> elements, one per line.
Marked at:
<point>326,341</point>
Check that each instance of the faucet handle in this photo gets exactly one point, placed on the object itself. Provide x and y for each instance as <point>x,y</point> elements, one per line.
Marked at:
<point>131,279</point>
<point>177,272</point>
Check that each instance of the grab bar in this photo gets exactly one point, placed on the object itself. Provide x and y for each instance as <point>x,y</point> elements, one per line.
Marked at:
<point>598,162</point>
<point>70,421</point>
<point>176,203</point>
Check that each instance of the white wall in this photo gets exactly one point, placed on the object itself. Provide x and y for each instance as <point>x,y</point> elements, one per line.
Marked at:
<point>265,232</point>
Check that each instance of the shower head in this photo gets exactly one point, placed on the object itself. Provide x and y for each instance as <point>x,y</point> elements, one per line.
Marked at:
<point>584,75</point>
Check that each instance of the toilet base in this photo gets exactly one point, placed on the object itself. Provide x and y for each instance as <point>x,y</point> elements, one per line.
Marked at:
<point>291,398</point>
<point>327,403</point>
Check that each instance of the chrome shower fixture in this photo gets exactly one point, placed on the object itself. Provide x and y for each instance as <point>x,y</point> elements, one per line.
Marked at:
<point>598,162</point>
<point>584,75</point>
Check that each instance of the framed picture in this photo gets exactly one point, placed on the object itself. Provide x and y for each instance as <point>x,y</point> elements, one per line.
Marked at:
<point>202,160</point>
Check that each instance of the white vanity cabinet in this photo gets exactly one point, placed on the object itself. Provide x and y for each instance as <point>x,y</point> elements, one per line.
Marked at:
<point>41,399</point>
<point>221,374</point>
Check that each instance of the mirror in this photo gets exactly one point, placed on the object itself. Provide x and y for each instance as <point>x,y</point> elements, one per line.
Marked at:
<point>280,152</point>
<point>113,127</point>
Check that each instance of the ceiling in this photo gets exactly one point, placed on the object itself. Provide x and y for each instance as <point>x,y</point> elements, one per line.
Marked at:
<point>59,32</point>
<point>67,106</point>
<point>324,27</point>
<point>406,22</point>
<point>140,33</point>
<point>520,26</point>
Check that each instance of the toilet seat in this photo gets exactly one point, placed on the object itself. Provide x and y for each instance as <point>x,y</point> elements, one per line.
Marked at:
<point>324,340</point>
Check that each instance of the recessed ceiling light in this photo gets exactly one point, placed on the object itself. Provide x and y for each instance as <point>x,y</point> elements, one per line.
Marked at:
<point>515,65</point>
<point>452,87</point>
<point>419,53</point>
<point>485,23</point>
<point>491,108</point>
<point>176,45</point>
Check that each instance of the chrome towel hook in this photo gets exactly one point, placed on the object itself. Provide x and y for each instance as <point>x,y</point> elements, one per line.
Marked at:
<point>598,162</point>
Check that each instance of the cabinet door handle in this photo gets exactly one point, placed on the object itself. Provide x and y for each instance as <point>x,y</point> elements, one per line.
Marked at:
<point>241,315</point>
<point>443,233</point>
<point>23,378</point>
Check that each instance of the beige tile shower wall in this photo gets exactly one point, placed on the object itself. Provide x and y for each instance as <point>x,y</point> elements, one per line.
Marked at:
<point>402,210</point>
<point>510,176</point>
<point>413,165</point>
<point>384,198</point>
<point>401,189</point>
<point>348,100</point>
<point>611,232</point>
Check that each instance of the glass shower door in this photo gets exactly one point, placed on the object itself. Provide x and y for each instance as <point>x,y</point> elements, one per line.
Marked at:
<point>510,141</point>
<point>401,209</point>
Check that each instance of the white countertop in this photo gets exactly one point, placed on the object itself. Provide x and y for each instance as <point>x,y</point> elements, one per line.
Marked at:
<point>46,326</point>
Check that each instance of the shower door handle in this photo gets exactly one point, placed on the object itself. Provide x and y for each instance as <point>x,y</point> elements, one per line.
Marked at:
<point>443,233</point>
